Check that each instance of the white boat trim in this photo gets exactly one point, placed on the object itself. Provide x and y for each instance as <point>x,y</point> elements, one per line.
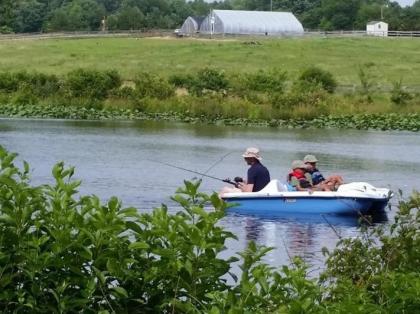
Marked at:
<point>350,190</point>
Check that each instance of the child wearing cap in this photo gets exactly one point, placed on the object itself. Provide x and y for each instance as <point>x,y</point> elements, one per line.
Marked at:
<point>320,183</point>
<point>299,179</point>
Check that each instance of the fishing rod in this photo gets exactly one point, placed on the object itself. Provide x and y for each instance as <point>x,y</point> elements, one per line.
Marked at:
<point>196,172</point>
<point>217,162</point>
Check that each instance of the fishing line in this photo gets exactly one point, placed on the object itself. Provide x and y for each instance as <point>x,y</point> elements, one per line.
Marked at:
<point>217,162</point>
<point>195,172</point>
<point>331,226</point>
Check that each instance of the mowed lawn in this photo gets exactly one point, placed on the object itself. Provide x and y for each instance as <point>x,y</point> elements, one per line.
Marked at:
<point>386,59</point>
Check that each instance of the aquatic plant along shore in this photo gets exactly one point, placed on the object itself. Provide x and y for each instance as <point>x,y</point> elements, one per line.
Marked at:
<point>261,98</point>
<point>61,251</point>
<point>390,121</point>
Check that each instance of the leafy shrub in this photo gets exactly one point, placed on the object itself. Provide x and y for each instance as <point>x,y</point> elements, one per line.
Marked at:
<point>182,80</point>
<point>209,79</point>
<point>149,85</point>
<point>4,98</point>
<point>65,254</point>
<point>42,85</point>
<point>399,96</point>
<point>367,83</point>
<point>91,83</point>
<point>8,82</point>
<point>319,77</point>
<point>25,96</point>
<point>272,81</point>
<point>125,92</point>
<point>61,252</point>
<point>301,102</point>
<point>382,264</point>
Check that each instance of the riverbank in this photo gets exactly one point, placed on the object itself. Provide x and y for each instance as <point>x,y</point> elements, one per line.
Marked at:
<point>385,121</point>
<point>269,96</point>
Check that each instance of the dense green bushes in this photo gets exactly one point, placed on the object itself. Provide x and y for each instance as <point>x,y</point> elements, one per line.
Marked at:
<point>207,80</point>
<point>314,77</point>
<point>91,84</point>
<point>40,84</point>
<point>148,85</point>
<point>210,94</point>
<point>60,252</point>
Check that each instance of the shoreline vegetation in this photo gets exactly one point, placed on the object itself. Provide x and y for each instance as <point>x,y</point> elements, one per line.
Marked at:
<point>232,82</point>
<point>65,252</point>
<point>383,122</point>
<point>263,98</point>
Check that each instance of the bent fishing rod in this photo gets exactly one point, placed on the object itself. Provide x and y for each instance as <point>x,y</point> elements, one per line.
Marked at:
<point>196,172</point>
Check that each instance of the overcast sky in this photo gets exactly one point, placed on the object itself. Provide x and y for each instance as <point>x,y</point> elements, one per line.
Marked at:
<point>402,3</point>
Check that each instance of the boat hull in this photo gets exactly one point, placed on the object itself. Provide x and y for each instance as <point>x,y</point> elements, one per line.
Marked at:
<point>305,205</point>
<point>350,199</point>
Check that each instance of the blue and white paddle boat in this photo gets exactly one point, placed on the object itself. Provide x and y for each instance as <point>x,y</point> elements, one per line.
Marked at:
<point>350,199</point>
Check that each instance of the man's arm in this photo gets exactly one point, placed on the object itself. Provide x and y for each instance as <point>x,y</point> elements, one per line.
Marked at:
<point>245,187</point>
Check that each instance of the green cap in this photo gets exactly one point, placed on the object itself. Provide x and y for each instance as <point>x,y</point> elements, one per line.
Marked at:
<point>310,158</point>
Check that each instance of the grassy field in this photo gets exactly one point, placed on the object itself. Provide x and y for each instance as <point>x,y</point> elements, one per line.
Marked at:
<point>387,59</point>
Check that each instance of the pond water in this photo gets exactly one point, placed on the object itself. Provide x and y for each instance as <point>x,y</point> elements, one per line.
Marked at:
<point>118,158</point>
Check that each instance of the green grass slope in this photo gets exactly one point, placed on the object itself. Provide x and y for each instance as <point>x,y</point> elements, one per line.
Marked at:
<point>388,59</point>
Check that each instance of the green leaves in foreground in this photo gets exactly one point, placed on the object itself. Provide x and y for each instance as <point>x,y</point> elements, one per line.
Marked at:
<point>65,253</point>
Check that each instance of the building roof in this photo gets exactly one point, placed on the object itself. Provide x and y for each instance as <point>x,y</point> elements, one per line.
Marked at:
<point>198,19</point>
<point>375,22</point>
<point>253,22</point>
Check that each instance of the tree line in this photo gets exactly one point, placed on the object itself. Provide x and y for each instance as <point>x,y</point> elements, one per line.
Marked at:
<point>86,15</point>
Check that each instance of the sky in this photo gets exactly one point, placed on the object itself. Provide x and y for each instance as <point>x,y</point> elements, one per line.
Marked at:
<point>402,3</point>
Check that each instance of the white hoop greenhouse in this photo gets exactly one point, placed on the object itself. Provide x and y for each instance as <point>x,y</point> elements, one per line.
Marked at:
<point>191,25</point>
<point>251,23</point>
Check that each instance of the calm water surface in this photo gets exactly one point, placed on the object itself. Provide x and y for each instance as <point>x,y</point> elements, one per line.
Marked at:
<point>115,158</point>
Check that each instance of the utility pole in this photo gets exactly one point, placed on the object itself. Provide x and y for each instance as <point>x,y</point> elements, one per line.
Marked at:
<point>271,5</point>
<point>382,10</point>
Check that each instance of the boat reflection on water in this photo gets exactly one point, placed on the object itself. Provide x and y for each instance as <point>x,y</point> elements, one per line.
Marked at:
<point>303,235</point>
<point>340,220</point>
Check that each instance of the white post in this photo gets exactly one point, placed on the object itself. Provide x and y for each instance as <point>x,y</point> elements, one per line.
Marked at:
<point>211,24</point>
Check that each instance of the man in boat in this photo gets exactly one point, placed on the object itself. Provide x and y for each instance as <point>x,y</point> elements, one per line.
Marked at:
<point>299,179</point>
<point>258,175</point>
<point>319,182</point>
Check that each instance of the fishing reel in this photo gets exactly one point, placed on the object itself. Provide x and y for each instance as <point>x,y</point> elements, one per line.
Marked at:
<point>235,181</point>
<point>238,179</point>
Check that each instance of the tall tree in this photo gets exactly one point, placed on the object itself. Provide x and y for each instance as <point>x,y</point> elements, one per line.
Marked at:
<point>30,15</point>
<point>339,14</point>
<point>77,15</point>
<point>127,17</point>
<point>7,13</point>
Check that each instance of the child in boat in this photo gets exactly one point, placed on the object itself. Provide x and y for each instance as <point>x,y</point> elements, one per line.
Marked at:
<point>299,179</point>
<point>319,182</point>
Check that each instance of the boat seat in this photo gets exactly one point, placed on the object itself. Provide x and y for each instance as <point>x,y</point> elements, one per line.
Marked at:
<point>274,186</point>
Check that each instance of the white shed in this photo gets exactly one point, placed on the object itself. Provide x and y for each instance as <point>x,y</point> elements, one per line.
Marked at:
<point>377,28</point>
<point>251,23</point>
